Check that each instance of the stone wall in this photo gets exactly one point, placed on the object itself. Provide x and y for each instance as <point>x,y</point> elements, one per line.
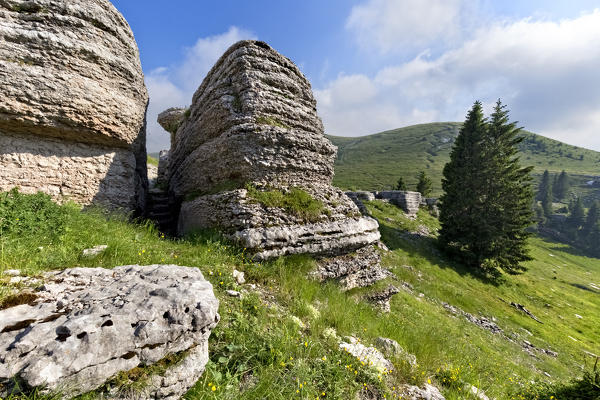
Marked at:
<point>408,201</point>
<point>82,172</point>
<point>70,70</point>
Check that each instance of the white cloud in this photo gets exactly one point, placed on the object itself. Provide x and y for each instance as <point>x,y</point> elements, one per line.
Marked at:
<point>547,73</point>
<point>391,25</point>
<point>174,86</point>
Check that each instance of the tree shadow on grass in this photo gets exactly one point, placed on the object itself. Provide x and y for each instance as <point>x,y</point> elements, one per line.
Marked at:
<point>427,247</point>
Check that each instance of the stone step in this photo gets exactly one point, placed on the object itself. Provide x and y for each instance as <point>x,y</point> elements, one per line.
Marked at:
<point>159,215</point>
<point>164,207</point>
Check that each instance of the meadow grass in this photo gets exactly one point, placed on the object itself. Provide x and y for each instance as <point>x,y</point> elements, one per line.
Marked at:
<point>259,351</point>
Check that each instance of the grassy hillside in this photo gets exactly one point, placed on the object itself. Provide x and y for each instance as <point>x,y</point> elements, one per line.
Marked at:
<point>259,350</point>
<point>376,161</point>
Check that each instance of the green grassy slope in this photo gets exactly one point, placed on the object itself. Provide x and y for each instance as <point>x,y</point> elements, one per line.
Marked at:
<point>376,161</point>
<point>258,351</point>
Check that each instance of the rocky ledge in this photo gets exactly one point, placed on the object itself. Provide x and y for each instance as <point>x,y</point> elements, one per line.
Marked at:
<point>86,325</point>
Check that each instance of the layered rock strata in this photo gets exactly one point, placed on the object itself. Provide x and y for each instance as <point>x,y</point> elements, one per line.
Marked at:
<point>87,325</point>
<point>406,200</point>
<point>72,93</point>
<point>253,128</point>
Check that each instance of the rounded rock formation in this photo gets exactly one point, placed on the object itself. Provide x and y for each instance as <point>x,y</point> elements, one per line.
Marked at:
<point>72,102</point>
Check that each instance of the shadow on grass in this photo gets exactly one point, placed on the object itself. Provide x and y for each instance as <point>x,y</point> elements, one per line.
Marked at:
<point>428,248</point>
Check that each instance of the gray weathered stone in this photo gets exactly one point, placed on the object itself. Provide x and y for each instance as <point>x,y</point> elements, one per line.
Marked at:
<point>358,269</point>
<point>94,251</point>
<point>72,102</point>
<point>253,120</point>
<point>408,201</point>
<point>87,325</point>
<point>427,392</point>
<point>382,298</point>
<point>171,119</point>
<point>369,355</point>
<point>163,168</point>
<point>239,277</point>
<point>391,348</point>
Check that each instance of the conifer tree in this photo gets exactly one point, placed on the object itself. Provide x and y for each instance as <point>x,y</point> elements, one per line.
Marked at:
<point>486,206</point>
<point>563,185</point>
<point>576,219</point>
<point>547,201</point>
<point>424,184</point>
<point>545,182</point>
<point>592,219</point>
<point>401,185</point>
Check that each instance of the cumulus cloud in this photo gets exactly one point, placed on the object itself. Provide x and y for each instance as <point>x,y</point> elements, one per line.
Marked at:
<point>173,86</point>
<point>546,71</point>
<point>400,25</point>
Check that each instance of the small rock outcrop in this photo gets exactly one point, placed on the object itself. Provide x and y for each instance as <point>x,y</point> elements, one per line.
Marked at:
<point>407,201</point>
<point>72,103</point>
<point>382,298</point>
<point>250,156</point>
<point>88,324</point>
<point>427,392</point>
<point>369,355</point>
<point>357,269</point>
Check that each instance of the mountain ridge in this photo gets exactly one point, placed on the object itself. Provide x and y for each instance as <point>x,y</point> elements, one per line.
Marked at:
<point>376,161</point>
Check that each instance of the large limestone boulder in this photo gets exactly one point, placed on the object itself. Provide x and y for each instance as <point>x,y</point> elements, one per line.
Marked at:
<point>87,325</point>
<point>253,127</point>
<point>72,102</point>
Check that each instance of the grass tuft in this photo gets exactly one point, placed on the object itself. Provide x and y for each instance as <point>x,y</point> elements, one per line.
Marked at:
<point>295,201</point>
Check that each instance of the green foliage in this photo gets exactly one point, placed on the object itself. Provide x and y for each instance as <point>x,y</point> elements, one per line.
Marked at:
<point>546,197</point>
<point>585,388</point>
<point>543,187</point>
<point>257,352</point>
<point>151,160</point>
<point>562,186</point>
<point>576,218</point>
<point>424,184</point>
<point>486,206</point>
<point>22,214</point>
<point>294,201</point>
<point>592,219</point>
<point>400,185</point>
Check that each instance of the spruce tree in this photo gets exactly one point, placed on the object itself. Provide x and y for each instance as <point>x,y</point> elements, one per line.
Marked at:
<point>401,185</point>
<point>424,184</point>
<point>576,219</point>
<point>563,185</point>
<point>547,201</point>
<point>460,182</point>
<point>592,219</point>
<point>545,182</point>
<point>486,207</point>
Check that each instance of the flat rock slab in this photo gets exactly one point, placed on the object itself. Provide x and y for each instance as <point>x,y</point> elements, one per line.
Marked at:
<point>89,324</point>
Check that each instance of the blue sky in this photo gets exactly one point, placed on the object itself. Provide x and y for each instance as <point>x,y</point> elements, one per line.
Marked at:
<point>382,64</point>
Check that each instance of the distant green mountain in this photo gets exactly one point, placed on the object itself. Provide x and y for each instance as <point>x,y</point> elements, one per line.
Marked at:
<point>376,161</point>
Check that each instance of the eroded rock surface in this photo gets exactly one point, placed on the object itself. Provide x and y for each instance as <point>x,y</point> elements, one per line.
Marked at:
<point>253,123</point>
<point>88,324</point>
<point>72,94</point>
<point>357,269</point>
<point>408,201</point>
<point>369,355</point>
